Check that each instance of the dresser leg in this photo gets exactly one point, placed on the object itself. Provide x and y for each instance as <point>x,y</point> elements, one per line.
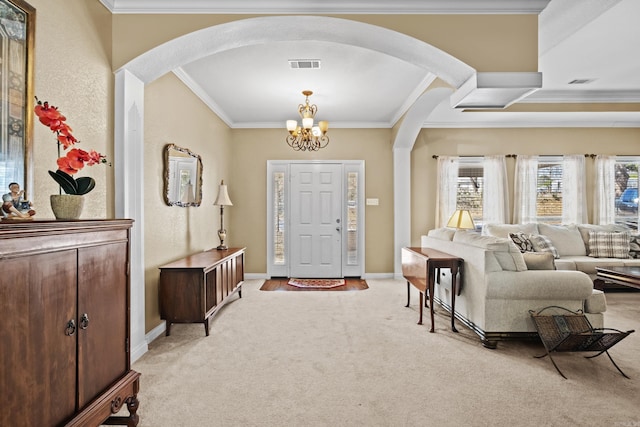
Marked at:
<point>167,331</point>
<point>206,326</point>
<point>132,406</point>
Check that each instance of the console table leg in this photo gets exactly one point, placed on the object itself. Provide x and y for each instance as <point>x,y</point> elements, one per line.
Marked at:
<point>408,293</point>
<point>420,321</point>
<point>454,286</point>
<point>431,290</point>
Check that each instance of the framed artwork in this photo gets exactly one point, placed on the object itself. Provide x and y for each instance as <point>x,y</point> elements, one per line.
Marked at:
<point>17,27</point>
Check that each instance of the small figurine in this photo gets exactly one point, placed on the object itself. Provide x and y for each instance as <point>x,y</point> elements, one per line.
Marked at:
<point>14,205</point>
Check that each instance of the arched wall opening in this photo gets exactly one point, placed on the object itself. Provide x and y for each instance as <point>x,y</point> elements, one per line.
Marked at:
<point>133,76</point>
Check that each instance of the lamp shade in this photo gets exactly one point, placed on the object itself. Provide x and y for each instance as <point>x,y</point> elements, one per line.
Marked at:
<point>223,196</point>
<point>461,218</point>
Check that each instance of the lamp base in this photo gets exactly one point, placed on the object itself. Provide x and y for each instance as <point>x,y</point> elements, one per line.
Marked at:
<point>222,235</point>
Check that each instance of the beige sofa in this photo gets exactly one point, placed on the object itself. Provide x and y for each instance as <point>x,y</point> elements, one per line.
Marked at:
<point>571,242</point>
<point>498,289</point>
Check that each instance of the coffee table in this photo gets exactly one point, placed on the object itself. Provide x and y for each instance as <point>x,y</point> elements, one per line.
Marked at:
<point>626,276</point>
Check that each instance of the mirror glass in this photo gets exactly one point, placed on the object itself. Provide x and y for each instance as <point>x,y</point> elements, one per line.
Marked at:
<point>182,177</point>
<point>17,26</point>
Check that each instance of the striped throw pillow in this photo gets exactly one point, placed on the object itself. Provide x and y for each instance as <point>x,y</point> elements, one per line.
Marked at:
<point>605,244</point>
<point>542,243</point>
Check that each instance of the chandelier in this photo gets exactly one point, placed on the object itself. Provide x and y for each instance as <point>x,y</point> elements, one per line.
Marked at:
<point>307,137</point>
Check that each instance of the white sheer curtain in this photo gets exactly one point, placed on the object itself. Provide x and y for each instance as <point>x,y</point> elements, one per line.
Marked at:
<point>495,198</point>
<point>447,185</point>
<point>604,209</point>
<point>525,190</point>
<point>574,191</point>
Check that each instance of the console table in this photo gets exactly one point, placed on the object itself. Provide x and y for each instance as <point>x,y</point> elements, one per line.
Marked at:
<point>421,266</point>
<point>193,289</point>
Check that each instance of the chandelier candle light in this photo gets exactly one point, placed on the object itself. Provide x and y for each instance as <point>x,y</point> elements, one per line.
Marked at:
<point>222,200</point>
<point>307,137</point>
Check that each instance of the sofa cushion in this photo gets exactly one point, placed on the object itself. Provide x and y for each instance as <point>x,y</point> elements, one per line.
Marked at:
<point>442,233</point>
<point>543,244</point>
<point>503,230</point>
<point>522,241</point>
<point>566,238</point>
<point>586,228</point>
<point>607,244</point>
<point>504,250</point>
<point>539,260</point>
<point>588,264</point>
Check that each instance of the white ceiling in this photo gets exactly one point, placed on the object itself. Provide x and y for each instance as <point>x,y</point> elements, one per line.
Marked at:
<point>253,86</point>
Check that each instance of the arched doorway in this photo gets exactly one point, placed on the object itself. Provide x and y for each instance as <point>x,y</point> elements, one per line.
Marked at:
<point>133,76</point>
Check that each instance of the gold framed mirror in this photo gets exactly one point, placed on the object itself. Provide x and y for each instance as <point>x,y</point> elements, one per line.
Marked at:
<point>17,31</point>
<point>182,177</point>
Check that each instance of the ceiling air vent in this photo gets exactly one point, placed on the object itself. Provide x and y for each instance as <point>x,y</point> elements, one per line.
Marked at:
<point>304,63</point>
<point>580,81</point>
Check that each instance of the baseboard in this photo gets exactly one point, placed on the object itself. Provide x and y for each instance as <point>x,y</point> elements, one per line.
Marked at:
<point>139,351</point>
<point>381,276</point>
<point>256,276</point>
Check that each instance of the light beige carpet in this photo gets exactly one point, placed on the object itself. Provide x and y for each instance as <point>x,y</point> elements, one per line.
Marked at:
<point>359,359</point>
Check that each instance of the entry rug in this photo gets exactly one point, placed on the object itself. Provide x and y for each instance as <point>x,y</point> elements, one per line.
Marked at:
<point>316,283</point>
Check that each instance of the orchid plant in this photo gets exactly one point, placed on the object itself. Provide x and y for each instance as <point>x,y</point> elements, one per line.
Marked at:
<point>75,159</point>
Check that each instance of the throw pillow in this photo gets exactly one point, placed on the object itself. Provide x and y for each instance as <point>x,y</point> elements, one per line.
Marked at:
<point>542,243</point>
<point>634,246</point>
<point>522,241</point>
<point>539,260</point>
<point>605,244</point>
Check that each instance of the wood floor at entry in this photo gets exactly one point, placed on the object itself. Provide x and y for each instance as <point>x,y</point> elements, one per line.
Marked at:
<point>281,284</point>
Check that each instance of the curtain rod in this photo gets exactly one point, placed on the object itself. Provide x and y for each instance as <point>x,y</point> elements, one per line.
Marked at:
<point>593,156</point>
<point>435,156</point>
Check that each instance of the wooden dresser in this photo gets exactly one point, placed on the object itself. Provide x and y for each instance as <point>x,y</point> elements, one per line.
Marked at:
<point>64,338</point>
<point>194,288</point>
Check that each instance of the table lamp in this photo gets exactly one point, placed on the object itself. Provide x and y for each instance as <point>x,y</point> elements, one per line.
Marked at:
<point>461,219</point>
<point>222,200</point>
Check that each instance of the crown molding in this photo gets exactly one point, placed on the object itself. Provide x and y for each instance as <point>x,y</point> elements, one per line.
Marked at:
<point>484,120</point>
<point>202,94</point>
<point>582,96</point>
<point>373,7</point>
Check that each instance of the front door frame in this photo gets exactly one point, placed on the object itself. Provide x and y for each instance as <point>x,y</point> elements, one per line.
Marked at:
<point>350,267</point>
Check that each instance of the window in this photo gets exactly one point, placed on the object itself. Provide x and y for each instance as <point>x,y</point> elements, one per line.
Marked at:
<point>470,187</point>
<point>549,189</point>
<point>626,191</point>
<point>279,219</point>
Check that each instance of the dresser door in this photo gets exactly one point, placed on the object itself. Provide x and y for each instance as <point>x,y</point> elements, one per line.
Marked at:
<point>37,348</point>
<point>102,318</point>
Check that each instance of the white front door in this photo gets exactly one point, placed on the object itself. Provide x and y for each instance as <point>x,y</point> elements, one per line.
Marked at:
<point>316,220</point>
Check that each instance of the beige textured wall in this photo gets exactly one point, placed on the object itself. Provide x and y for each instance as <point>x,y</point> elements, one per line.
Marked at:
<point>251,150</point>
<point>73,72</point>
<point>174,115</point>
<point>485,42</point>
<point>472,142</point>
